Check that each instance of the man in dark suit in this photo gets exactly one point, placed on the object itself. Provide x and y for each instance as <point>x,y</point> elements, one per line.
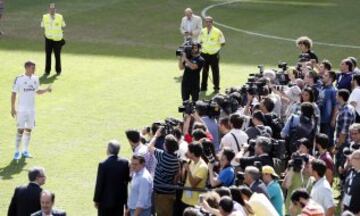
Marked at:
<point>111,183</point>
<point>26,199</point>
<point>252,179</point>
<point>47,201</point>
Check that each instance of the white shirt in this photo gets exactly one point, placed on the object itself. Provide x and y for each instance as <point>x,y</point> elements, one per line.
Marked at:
<point>355,97</point>
<point>322,194</point>
<point>229,141</point>
<point>25,87</point>
<point>183,148</point>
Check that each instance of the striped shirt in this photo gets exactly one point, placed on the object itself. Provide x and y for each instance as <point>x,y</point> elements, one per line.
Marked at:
<point>344,119</point>
<point>165,172</point>
<point>312,209</point>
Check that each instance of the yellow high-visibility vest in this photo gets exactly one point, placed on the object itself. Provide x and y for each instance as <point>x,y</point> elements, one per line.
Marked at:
<point>211,41</point>
<point>53,26</point>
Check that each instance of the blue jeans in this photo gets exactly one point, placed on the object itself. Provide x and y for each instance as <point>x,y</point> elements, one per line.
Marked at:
<point>144,212</point>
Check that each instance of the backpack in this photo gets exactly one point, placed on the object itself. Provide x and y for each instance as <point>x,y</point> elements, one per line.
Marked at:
<point>275,123</point>
<point>263,131</point>
<point>305,129</point>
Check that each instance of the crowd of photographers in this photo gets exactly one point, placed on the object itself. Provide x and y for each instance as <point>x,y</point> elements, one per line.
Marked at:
<point>273,146</point>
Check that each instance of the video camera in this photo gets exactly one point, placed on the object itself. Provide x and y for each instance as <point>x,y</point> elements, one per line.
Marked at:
<point>168,125</point>
<point>204,107</point>
<point>277,148</point>
<point>282,78</point>
<point>186,48</point>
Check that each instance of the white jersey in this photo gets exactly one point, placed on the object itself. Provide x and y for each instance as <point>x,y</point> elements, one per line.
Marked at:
<point>25,87</point>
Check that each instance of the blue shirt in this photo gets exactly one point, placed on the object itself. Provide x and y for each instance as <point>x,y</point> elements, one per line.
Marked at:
<point>213,128</point>
<point>227,176</point>
<point>344,81</point>
<point>276,196</point>
<point>141,190</point>
<point>293,120</point>
<point>327,103</point>
<point>344,118</point>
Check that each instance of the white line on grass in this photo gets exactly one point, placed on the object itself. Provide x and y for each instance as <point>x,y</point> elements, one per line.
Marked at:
<point>274,37</point>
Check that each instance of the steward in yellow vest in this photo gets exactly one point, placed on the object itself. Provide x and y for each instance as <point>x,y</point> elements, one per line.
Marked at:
<point>53,24</point>
<point>211,39</point>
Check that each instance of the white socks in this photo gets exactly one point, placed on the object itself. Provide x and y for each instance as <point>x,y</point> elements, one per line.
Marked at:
<point>26,140</point>
<point>17,141</point>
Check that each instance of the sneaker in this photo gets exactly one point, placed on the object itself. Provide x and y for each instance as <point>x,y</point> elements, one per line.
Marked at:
<point>26,154</point>
<point>17,156</point>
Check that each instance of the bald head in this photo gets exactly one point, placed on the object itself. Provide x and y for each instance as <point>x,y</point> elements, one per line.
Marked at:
<point>355,160</point>
<point>47,200</point>
<point>188,12</point>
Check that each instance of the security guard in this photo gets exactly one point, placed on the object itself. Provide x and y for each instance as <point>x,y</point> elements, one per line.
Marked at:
<point>211,39</point>
<point>53,23</point>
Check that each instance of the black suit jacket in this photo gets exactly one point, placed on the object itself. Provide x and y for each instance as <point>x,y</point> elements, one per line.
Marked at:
<point>111,183</point>
<point>26,200</point>
<point>54,212</point>
<point>259,187</point>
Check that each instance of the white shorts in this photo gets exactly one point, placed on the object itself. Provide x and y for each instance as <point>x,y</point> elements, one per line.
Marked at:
<point>25,119</point>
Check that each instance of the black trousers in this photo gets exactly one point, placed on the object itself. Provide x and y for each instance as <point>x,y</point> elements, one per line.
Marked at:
<point>213,62</point>
<point>51,46</point>
<point>187,91</point>
<point>115,211</point>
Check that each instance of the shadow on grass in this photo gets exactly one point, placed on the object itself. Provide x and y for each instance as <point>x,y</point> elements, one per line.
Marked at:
<point>205,96</point>
<point>178,79</point>
<point>13,168</point>
<point>48,79</point>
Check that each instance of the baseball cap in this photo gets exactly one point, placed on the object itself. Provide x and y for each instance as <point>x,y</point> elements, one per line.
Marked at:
<point>269,170</point>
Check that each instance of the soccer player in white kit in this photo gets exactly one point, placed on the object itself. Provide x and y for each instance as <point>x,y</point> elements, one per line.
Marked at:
<point>24,88</point>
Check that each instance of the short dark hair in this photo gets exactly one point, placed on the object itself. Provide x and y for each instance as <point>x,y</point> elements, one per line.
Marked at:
<point>228,153</point>
<point>259,116</point>
<point>35,172</point>
<point>196,149</point>
<point>327,64</point>
<point>322,140</point>
<point>227,204</point>
<point>307,109</point>
<point>268,104</point>
<point>133,135</point>
<point>198,134</point>
<point>332,75</point>
<point>299,193</point>
<point>245,190</point>
<point>225,121</point>
<point>264,143</point>
<point>344,94</point>
<point>171,143</point>
<point>319,167</point>
<point>177,133</point>
<point>236,195</point>
<point>306,142</point>
<point>223,191</point>
<point>236,120</point>
<point>29,63</point>
<point>140,158</point>
<point>356,78</point>
<point>313,75</point>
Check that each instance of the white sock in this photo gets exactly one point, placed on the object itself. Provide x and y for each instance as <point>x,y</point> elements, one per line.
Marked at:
<point>26,139</point>
<point>18,142</point>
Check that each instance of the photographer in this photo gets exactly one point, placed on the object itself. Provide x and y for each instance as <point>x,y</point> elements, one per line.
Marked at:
<point>196,176</point>
<point>343,80</point>
<point>192,64</point>
<point>226,175</point>
<point>258,129</point>
<point>166,172</point>
<point>262,150</point>
<point>236,138</point>
<point>198,123</point>
<point>272,120</point>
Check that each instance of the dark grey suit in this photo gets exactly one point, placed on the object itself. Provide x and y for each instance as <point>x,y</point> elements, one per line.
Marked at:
<point>26,200</point>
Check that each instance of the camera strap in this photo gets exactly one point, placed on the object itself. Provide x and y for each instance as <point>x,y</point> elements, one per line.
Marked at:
<point>237,143</point>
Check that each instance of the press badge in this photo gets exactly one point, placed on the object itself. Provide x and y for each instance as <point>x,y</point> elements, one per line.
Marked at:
<point>188,193</point>
<point>347,199</point>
